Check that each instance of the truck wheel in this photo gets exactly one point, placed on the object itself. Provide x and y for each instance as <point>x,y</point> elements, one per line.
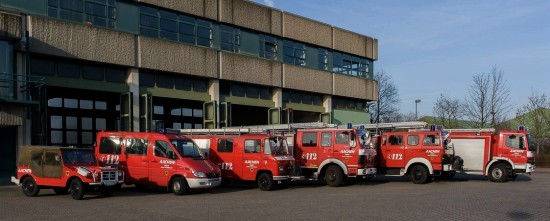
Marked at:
<point>60,190</point>
<point>76,188</point>
<point>265,182</point>
<point>29,187</point>
<point>334,176</point>
<point>419,174</point>
<point>498,173</point>
<point>179,186</point>
<point>106,191</point>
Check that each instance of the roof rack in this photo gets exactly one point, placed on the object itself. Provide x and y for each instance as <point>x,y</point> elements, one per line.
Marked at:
<point>480,130</point>
<point>216,131</point>
<point>389,126</point>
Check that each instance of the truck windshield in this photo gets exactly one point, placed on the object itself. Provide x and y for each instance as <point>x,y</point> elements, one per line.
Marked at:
<point>187,148</point>
<point>78,157</point>
<point>278,146</point>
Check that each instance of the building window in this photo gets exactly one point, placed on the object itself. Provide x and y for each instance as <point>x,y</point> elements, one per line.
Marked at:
<point>268,47</point>
<point>294,53</point>
<point>323,59</point>
<point>350,65</point>
<point>100,13</point>
<point>172,26</point>
<point>230,38</point>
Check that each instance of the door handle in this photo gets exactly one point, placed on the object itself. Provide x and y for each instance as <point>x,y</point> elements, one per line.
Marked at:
<point>335,151</point>
<point>154,161</point>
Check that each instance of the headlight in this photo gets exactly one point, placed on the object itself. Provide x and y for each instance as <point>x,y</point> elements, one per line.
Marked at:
<point>198,174</point>
<point>281,168</point>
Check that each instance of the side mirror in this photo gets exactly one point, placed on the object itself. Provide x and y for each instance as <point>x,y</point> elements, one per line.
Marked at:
<point>57,158</point>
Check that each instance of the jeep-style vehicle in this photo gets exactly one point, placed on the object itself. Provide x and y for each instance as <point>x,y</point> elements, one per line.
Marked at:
<point>66,170</point>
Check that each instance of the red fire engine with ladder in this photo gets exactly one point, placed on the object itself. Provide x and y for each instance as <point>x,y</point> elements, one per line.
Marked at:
<point>425,153</point>
<point>325,152</point>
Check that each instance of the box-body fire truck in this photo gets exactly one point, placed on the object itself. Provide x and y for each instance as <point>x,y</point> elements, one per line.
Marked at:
<point>66,170</point>
<point>426,153</point>
<point>501,156</point>
<point>157,159</point>
<point>245,156</point>
<point>326,152</point>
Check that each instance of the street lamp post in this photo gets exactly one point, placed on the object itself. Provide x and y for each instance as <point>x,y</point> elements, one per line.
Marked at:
<point>416,108</point>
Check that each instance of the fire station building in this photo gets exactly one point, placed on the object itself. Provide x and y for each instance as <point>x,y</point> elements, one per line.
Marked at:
<point>71,68</point>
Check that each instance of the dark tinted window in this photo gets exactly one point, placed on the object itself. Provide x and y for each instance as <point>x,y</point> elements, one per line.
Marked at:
<point>42,66</point>
<point>68,70</point>
<point>92,73</point>
<point>309,139</point>
<point>225,146</point>
<point>146,79</point>
<point>110,145</point>
<point>183,84</point>
<point>115,75</point>
<point>165,81</point>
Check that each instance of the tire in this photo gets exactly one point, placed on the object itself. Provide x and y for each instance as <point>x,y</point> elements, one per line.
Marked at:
<point>61,190</point>
<point>265,182</point>
<point>179,186</point>
<point>334,176</point>
<point>419,174</point>
<point>76,188</point>
<point>29,187</point>
<point>498,173</point>
<point>106,191</point>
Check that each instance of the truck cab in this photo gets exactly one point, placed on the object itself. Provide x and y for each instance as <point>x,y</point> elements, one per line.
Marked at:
<point>420,154</point>
<point>157,159</point>
<point>262,158</point>
<point>66,170</point>
<point>336,155</point>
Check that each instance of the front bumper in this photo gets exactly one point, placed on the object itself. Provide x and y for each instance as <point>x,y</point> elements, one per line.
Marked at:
<point>281,177</point>
<point>199,183</point>
<point>366,171</point>
<point>15,180</point>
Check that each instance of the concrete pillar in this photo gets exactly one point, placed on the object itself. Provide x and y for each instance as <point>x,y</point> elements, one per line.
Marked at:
<point>133,87</point>
<point>278,97</point>
<point>23,132</point>
<point>214,92</point>
<point>327,103</point>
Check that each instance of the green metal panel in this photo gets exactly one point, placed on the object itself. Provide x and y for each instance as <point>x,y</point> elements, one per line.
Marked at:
<point>86,84</point>
<point>127,17</point>
<point>346,116</point>
<point>250,43</point>
<point>274,115</point>
<point>250,101</point>
<point>28,6</point>
<point>305,107</point>
<point>209,114</point>
<point>178,94</point>
<point>225,114</point>
<point>126,122</point>
<point>325,117</point>
<point>145,112</point>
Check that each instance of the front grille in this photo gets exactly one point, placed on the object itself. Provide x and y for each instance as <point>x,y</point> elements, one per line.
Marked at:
<point>212,175</point>
<point>109,176</point>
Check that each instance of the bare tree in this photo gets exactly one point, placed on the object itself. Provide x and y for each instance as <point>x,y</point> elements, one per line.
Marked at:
<point>536,115</point>
<point>447,111</point>
<point>487,101</point>
<point>388,98</point>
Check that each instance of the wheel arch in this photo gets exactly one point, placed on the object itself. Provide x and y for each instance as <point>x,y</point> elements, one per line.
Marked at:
<point>497,160</point>
<point>419,161</point>
<point>169,184</point>
<point>325,164</point>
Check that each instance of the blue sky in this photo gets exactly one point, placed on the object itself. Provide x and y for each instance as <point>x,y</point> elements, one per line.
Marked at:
<point>434,47</point>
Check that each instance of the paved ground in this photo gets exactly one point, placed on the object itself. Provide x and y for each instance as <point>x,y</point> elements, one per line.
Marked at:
<point>384,198</point>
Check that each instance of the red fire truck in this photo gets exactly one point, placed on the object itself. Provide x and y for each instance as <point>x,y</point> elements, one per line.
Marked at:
<point>245,156</point>
<point>66,170</point>
<point>501,156</point>
<point>424,153</point>
<point>325,152</point>
<point>166,160</point>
